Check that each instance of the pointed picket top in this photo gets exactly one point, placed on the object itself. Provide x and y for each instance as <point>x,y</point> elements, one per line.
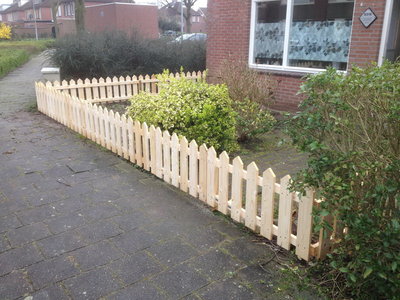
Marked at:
<point>286,179</point>
<point>151,127</point>
<point>72,82</point>
<point>106,110</point>
<point>144,125</point>
<point>130,120</point>
<point>268,173</point>
<point>108,79</point>
<point>199,74</point>
<point>194,74</point>
<point>56,83</point>
<point>123,118</point>
<point>87,81</point>
<point>115,79</point>
<point>117,116</point>
<point>237,161</point>
<point>188,74</point>
<point>141,77</point>
<point>212,153</point>
<point>171,75</point>
<point>166,135</point>
<point>134,78</point>
<point>128,78</point>
<point>79,81</point>
<point>137,123</point>
<point>177,75</point>
<point>111,113</point>
<point>252,167</point>
<point>175,139</point>
<point>153,76</point>
<point>101,79</point>
<point>48,84</point>
<point>193,145</point>
<point>95,107</point>
<point>121,79</point>
<point>224,157</point>
<point>203,147</point>
<point>147,77</point>
<point>158,131</point>
<point>94,80</point>
<point>184,141</point>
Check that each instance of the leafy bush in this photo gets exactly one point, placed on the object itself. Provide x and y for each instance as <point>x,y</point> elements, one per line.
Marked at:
<point>350,126</point>
<point>5,32</point>
<point>251,95</point>
<point>195,110</point>
<point>115,54</point>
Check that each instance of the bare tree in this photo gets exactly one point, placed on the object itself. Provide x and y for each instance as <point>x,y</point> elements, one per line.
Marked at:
<point>80,16</point>
<point>55,4</point>
<point>187,15</point>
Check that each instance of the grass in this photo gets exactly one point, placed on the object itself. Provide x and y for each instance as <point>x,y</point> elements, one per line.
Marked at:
<point>15,53</point>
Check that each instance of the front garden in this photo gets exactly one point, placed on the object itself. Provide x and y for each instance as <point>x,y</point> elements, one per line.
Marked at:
<point>347,137</point>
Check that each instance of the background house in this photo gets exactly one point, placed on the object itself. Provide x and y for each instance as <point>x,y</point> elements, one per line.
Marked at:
<point>25,15</point>
<point>292,38</point>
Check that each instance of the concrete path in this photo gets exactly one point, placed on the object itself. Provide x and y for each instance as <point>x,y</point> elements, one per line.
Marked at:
<point>78,222</point>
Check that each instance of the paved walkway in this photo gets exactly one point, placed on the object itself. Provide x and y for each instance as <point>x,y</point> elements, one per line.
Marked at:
<point>78,222</point>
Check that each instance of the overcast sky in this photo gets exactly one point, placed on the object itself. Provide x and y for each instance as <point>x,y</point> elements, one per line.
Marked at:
<point>201,3</point>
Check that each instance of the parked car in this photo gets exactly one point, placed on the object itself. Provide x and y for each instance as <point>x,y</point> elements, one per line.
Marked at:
<point>191,37</point>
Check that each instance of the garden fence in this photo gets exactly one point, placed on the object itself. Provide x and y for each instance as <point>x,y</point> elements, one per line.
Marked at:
<point>262,202</point>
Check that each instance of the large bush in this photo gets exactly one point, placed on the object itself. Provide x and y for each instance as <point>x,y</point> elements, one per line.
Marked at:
<point>350,127</point>
<point>195,110</point>
<point>116,54</point>
<point>251,95</point>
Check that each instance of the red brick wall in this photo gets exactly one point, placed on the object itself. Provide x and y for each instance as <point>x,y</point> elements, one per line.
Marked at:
<point>129,18</point>
<point>228,37</point>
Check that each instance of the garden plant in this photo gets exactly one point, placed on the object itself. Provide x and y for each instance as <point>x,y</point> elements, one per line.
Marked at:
<point>350,127</point>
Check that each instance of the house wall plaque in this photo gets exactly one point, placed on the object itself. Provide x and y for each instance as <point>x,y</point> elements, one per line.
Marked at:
<point>368,17</point>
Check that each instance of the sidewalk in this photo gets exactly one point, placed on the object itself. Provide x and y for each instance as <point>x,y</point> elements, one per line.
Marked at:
<point>78,222</point>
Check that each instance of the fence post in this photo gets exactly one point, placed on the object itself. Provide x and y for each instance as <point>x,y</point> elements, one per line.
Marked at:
<point>146,150</point>
<point>304,225</point>
<point>159,172</point>
<point>167,156</point>
<point>223,183</point>
<point>175,160</point>
<point>285,214</point>
<point>267,203</point>
<point>184,164</point>
<point>211,178</point>
<point>237,189</point>
<point>153,150</point>
<point>203,172</point>
<point>193,168</point>
<point>251,196</point>
<point>138,144</point>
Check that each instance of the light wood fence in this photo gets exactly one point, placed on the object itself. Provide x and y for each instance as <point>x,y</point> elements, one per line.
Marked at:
<point>259,200</point>
<point>116,89</point>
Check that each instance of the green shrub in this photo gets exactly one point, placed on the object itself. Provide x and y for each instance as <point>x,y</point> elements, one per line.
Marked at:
<point>251,95</point>
<point>116,54</point>
<point>195,110</point>
<point>350,127</point>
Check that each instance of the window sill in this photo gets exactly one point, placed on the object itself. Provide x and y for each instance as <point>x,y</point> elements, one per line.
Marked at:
<point>293,71</point>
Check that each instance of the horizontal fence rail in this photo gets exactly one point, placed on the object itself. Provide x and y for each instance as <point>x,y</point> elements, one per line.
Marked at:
<point>116,89</point>
<point>259,200</point>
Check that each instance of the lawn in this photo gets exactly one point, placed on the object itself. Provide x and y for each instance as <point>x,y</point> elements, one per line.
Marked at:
<point>15,53</point>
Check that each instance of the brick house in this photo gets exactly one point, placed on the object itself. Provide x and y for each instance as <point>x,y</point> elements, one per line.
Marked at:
<point>24,15</point>
<point>292,38</point>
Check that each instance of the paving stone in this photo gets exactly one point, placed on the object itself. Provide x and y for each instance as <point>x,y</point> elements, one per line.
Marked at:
<point>99,231</point>
<point>95,255</point>
<point>247,250</point>
<point>100,211</point>
<point>227,228</point>
<point>172,252</point>
<point>215,264</point>
<point>61,243</point>
<point>14,285</point>
<point>228,289</point>
<point>9,222</point>
<point>54,292</point>
<point>92,285</point>
<point>37,214</point>
<point>205,238</point>
<point>141,290</point>
<point>51,271</point>
<point>46,197</point>
<point>4,245</point>
<point>70,205</point>
<point>18,258</point>
<point>180,281</point>
<point>261,280</point>
<point>134,241</point>
<point>27,234</point>
<point>135,267</point>
<point>65,222</point>
<point>132,220</point>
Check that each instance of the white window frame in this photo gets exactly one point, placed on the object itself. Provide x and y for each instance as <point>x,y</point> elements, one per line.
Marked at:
<point>285,59</point>
<point>385,31</point>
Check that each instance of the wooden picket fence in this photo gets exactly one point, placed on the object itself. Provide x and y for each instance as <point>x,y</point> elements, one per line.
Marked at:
<point>263,204</point>
<point>116,89</point>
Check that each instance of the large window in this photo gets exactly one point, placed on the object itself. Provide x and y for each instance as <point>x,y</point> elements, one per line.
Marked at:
<point>300,34</point>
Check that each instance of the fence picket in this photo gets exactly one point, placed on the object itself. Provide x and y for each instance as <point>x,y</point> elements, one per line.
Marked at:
<point>267,204</point>
<point>138,144</point>
<point>73,90</point>
<point>285,214</point>
<point>102,88</point>
<point>251,196</point>
<point>109,94</point>
<point>167,156</point>
<point>159,157</point>
<point>237,189</point>
<point>304,225</point>
<point>95,89</point>
<point>153,149</point>
<point>131,143</point>
<point>113,140</point>
<point>118,133</point>
<point>175,160</point>
<point>146,150</point>
<point>116,88</point>
<point>203,172</point>
<point>211,176</point>
<point>184,164</point>
<point>124,134</point>
<point>128,86</point>
<point>88,90</point>
<point>122,87</point>
<point>193,168</point>
<point>223,183</point>
<point>81,91</point>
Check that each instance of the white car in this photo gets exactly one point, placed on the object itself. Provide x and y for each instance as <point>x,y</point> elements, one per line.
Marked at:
<point>191,37</point>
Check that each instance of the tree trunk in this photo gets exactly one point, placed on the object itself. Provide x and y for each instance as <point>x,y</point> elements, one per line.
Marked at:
<point>54,10</point>
<point>80,16</point>
<point>188,18</point>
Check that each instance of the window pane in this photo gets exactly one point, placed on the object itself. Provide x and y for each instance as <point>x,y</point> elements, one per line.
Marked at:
<point>320,33</point>
<point>269,32</point>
